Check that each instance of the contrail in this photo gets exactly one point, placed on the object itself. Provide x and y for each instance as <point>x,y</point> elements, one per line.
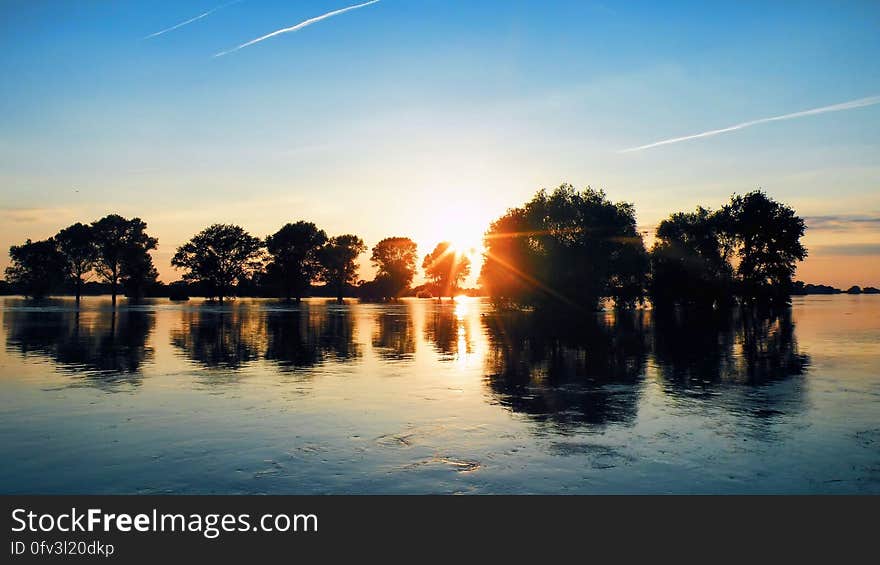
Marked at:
<point>860,103</point>
<point>191,20</point>
<point>297,27</point>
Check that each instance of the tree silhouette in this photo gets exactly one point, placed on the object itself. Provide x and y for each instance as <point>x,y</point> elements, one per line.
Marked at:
<point>766,237</point>
<point>395,262</point>
<point>445,267</point>
<point>76,243</point>
<point>510,260</point>
<point>138,273</point>
<point>693,260</point>
<point>338,258</point>
<point>566,248</point>
<point>689,262</point>
<point>123,248</point>
<point>562,249</point>
<point>37,267</point>
<point>294,257</point>
<point>220,255</point>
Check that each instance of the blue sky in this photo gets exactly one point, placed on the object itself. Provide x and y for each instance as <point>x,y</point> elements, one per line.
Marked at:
<point>430,118</point>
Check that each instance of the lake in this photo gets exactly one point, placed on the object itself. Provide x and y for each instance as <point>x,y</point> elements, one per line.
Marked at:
<point>259,396</point>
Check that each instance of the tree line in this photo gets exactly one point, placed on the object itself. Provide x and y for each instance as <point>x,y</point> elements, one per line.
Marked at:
<point>567,248</point>
<point>224,260</point>
<point>115,249</point>
<point>575,248</point>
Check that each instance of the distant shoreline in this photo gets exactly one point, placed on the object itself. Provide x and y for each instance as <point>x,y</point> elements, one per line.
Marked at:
<point>801,289</point>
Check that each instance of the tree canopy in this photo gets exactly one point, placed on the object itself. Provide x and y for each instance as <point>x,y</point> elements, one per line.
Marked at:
<point>565,248</point>
<point>395,262</point>
<point>338,258</point>
<point>294,257</point>
<point>77,245</point>
<point>690,262</point>
<point>37,267</point>
<point>765,236</point>
<point>446,268</point>
<point>122,256</point>
<point>219,255</point>
<point>747,249</point>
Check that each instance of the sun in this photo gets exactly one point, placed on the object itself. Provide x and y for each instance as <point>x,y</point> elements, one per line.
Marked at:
<point>457,248</point>
<point>464,241</point>
<point>461,222</point>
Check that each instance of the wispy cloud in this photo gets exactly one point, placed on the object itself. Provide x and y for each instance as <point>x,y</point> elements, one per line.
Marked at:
<point>25,215</point>
<point>191,20</point>
<point>848,249</point>
<point>844,222</point>
<point>296,27</point>
<point>851,105</point>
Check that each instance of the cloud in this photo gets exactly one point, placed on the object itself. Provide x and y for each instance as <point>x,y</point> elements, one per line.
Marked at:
<point>191,20</point>
<point>844,222</point>
<point>850,249</point>
<point>296,27</point>
<point>24,215</point>
<point>851,105</point>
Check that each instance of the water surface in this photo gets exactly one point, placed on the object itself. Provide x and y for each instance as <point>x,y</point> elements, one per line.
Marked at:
<point>259,396</point>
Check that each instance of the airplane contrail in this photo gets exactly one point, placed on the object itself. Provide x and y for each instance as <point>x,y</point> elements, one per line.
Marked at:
<point>852,104</point>
<point>191,20</point>
<point>297,27</point>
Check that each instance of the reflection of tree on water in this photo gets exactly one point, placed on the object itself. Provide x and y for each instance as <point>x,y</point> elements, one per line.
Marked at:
<point>693,348</point>
<point>290,343</point>
<point>394,336</point>
<point>589,371</point>
<point>441,329</point>
<point>740,345</point>
<point>734,365</point>
<point>104,346</point>
<point>769,348</point>
<point>306,338</point>
<point>232,337</point>
<point>338,336</point>
<point>223,338</point>
<point>565,372</point>
<point>448,330</point>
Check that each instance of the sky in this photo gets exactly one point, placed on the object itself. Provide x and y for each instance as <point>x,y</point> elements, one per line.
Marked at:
<point>429,118</point>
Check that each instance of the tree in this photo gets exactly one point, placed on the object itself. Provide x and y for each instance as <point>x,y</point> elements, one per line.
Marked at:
<point>509,260</point>
<point>567,248</point>
<point>123,248</point>
<point>138,274</point>
<point>628,278</point>
<point>749,249</point>
<point>220,255</point>
<point>446,267</point>
<point>294,257</point>
<point>395,260</point>
<point>690,263</point>
<point>338,260</point>
<point>37,267</point>
<point>765,235</point>
<point>76,243</point>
